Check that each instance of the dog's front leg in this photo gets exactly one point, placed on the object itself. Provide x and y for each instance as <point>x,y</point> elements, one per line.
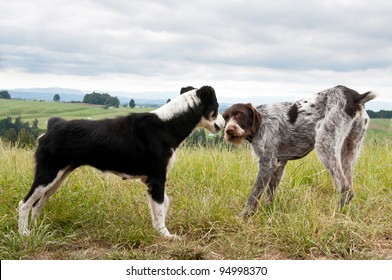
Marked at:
<point>158,202</point>
<point>266,168</point>
<point>276,176</point>
<point>158,215</point>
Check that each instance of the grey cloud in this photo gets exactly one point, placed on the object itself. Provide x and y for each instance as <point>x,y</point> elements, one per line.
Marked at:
<point>157,37</point>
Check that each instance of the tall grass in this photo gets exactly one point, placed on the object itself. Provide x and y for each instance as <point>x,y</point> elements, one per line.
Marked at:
<point>99,216</point>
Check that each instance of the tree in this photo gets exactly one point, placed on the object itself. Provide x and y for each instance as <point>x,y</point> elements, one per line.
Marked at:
<point>25,139</point>
<point>382,114</point>
<point>94,98</point>
<point>56,98</point>
<point>19,124</point>
<point>35,129</point>
<point>18,132</point>
<point>132,103</point>
<point>5,95</point>
<point>11,135</point>
<point>101,99</point>
<point>112,102</point>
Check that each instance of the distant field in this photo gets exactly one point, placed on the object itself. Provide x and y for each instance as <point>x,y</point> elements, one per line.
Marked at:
<point>381,127</point>
<point>31,110</point>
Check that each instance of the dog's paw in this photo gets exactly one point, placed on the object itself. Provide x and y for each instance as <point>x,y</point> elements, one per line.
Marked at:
<point>246,213</point>
<point>345,200</point>
<point>171,237</point>
<point>175,237</point>
<point>24,232</point>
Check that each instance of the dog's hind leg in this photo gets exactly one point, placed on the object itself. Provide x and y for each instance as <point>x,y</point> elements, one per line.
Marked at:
<point>55,185</point>
<point>353,144</point>
<point>329,144</point>
<point>45,179</point>
<point>36,192</point>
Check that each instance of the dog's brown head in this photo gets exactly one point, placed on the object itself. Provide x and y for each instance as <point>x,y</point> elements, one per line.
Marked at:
<point>242,122</point>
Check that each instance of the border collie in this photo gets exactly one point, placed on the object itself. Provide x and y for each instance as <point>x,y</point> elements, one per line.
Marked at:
<point>138,146</point>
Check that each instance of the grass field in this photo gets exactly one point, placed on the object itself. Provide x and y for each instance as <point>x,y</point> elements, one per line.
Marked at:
<point>380,128</point>
<point>99,216</point>
<point>31,110</point>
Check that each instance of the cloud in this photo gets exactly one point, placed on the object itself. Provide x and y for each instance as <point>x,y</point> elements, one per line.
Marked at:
<point>256,43</point>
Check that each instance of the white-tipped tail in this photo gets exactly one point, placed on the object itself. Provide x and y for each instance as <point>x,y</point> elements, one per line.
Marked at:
<point>370,95</point>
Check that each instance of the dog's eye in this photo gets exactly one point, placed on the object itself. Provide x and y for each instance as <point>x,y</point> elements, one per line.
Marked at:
<point>214,114</point>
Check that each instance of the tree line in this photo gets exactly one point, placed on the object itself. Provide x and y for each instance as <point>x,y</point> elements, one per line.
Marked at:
<point>5,95</point>
<point>382,114</point>
<point>23,135</point>
<point>104,99</point>
<point>18,133</point>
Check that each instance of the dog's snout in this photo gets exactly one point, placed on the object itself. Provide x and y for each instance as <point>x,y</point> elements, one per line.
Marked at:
<point>220,123</point>
<point>230,130</point>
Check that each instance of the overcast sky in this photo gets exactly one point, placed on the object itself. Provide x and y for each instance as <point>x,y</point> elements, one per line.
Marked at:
<point>241,48</point>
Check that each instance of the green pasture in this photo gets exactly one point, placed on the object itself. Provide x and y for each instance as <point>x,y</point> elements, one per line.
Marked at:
<point>96,215</point>
<point>31,110</point>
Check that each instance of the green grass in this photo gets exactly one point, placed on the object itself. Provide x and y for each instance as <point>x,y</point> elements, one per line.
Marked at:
<point>99,216</point>
<point>380,128</point>
<point>31,110</point>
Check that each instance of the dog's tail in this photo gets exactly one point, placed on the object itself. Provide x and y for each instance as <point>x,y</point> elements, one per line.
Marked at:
<point>53,121</point>
<point>363,98</point>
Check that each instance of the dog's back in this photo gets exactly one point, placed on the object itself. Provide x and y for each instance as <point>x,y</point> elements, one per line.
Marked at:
<point>53,121</point>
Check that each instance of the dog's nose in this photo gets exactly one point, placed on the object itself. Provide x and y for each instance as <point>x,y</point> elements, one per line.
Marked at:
<point>230,130</point>
<point>217,128</point>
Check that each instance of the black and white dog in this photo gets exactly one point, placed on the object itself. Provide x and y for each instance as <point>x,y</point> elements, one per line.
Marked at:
<point>138,146</point>
<point>333,122</point>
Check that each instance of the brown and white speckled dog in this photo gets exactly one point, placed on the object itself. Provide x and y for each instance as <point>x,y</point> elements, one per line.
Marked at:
<point>333,122</point>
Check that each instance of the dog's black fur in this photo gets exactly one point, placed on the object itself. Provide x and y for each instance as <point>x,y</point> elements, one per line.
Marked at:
<point>140,145</point>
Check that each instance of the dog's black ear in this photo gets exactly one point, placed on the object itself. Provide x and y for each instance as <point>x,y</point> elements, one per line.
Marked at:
<point>256,122</point>
<point>185,89</point>
<point>205,92</point>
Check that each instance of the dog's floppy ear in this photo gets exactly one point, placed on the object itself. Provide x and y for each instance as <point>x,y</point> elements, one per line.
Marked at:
<point>185,89</point>
<point>205,92</point>
<point>256,122</point>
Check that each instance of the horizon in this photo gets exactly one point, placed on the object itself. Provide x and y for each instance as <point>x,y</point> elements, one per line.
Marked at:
<point>161,97</point>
